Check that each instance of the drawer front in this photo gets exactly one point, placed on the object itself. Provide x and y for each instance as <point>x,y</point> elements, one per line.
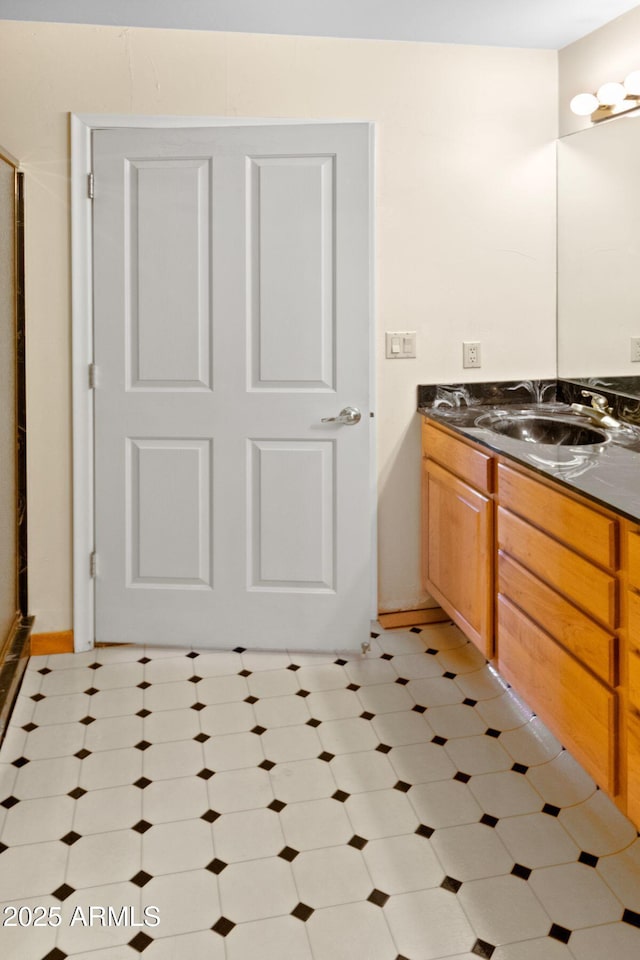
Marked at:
<point>633,553</point>
<point>583,529</point>
<point>465,461</point>
<point>577,707</point>
<point>633,663</point>
<point>593,590</point>
<point>596,648</point>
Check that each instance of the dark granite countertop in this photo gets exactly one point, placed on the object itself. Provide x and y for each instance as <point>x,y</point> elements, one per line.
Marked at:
<point>607,473</point>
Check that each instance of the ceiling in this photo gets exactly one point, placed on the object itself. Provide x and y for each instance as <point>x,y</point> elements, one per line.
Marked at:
<point>545,24</point>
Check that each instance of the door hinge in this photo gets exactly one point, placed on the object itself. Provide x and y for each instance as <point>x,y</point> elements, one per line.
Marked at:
<point>90,185</point>
<point>93,564</point>
<point>92,376</point>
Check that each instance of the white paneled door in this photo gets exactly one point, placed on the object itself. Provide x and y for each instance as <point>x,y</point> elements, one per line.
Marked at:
<point>232,312</point>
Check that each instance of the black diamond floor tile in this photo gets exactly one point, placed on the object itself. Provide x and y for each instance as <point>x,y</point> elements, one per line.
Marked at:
<point>143,713</point>
<point>205,774</point>
<point>142,826</point>
<point>560,933</point>
<point>630,916</point>
<point>91,691</point>
<point>469,702</point>
<point>367,716</point>
<point>88,720</point>
<point>210,816</point>
<point>276,806</point>
<point>192,654</point>
<point>141,879</point>
<point>141,941</point>
<point>294,666</point>
<point>142,783</point>
<point>202,737</point>
<point>71,838</point>
<point>195,679</point>
<point>402,681</point>
<point>313,722</point>
<point>449,675</point>
<point>9,802</point>
<point>383,748</point>
<point>302,911</point>
<point>519,768</point>
<point>55,954</point>
<point>144,660</point>
<point>415,630</point>
<point>589,859</point>
<point>402,786</point>
<point>288,853</point>
<point>216,866</point>
<point>353,686</point>
<point>258,730</point>
<point>488,820</point>
<point>419,708</point>
<point>378,897</point>
<point>358,842</point>
<point>251,699</point>
<point>76,793</point>
<point>327,757</point>
<point>30,726</point>
<point>144,685</point>
<point>198,706</point>
<point>244,673</point>
<point>483,949</point>
<point>518,870</point>
<point>424,831</point>
<point>490,732</point>
<point>451,884</point>
<point>223,926</point>
<point>143,745</point>
<point>82,754</point>
<point>3,847</point>
<point>267,765</point>
<point>303,693</point>
<point>462,777</point>
<point>20,762</point>
<point>63,892</point>
<point>439,740</point>
<point>550,810</point>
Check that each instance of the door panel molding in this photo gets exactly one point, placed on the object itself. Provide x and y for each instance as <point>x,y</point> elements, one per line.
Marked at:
<point>81,129</point>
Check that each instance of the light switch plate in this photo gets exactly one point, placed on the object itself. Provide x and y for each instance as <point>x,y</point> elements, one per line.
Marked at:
<point>400,344</point>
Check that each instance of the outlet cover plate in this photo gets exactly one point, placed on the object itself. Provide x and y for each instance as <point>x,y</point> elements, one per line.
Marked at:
<point>471,354</point>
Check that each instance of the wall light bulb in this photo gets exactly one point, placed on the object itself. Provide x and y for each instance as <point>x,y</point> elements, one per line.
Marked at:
<point>632,83</point>
<point>610,94</point>
<point>584,104</point>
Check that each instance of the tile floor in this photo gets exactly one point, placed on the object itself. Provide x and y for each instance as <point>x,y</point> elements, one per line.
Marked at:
<point>404,805</point>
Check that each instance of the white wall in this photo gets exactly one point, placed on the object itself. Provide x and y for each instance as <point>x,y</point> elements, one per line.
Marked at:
<point>609,53</point>
<point>465,222</point>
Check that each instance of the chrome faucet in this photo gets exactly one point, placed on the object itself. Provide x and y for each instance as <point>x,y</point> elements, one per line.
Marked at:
<point>599,412</point>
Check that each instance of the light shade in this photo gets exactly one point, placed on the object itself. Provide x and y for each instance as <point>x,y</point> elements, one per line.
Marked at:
<point>609,94</point>
<point>632,83</point>
<point>583,104</point>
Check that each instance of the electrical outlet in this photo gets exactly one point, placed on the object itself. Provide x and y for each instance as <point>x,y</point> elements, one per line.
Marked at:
<point>635,349</point>
<point>470,354</point>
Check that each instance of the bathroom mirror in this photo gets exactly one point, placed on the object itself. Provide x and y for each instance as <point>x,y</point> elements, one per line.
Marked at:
<point>599,255</point>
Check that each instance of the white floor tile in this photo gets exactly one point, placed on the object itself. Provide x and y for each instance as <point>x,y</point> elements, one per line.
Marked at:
<point>531,744</point>
<point>311,824</point>
<point>304,780</point>
<point>381,813</point>
<point>32,870</point>
<point>620,941</point>
<point>114,808</point>
<point>23,710</point>
<point>36,821</point>
<point>55,740</point>
<point>170,696</point>
<point>291,743</point>
<point>104,858</point>
<point>68,681</point>
<point>537,840</point>
<point>282,711</point>
<point>478,755</point>
<point>361,772</point>
<point>622,873</point>
<point>334,704</point>
<point>177,846</point>
<point>272,683</point>
<point>167,725</point>
<point>325,878</point>
<point>125,701</point>
<point>458,720</point>
<point>111,768</point>
<point>169,669</point>
<point>222,718</point>
<point>403,864</point>
<point>257,889</point>
<point>322,676</point>
<point>116,653</point>
<point>272,939</point>
<point>365,671</point>
<point>385,698</point>
<point>574,895</point>
<point>542,948</point>
<point>562,782</point>
<point>113,733</point>
<point>421,763</point>
<point>443,636</point>
<point>258,660</point>
<point>188,902</point>
<point>347,736</point>
<point>401,642</point>
<point>505,712</point>
<point>77,935</point>
<point>397,729</point>
<point>236,790</point>
<point>62,709</point>
<point>125,674</point>
<point>174,799</point>
<point>219,664</point>
<point>503,909</point>
<point>471,852</point>
<point>349,931</point>
<point>216,690</point>
<point>466,659</point>
<point>179,758</point>
<point>505,794</point>
<point>482,684</point>
<point>429,924</point>
<point>233,751</point>
<point>205,945</point>
<point>247,835</point>
<point>26,942</point>
<point>435,691</point>
<point>47,778</point>
<point>416,666</point>
<point>14,744</point>
<point>444,803</point>
<point>598,827</point>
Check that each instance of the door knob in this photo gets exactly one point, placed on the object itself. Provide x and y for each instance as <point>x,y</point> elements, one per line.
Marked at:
<point>349,416</point>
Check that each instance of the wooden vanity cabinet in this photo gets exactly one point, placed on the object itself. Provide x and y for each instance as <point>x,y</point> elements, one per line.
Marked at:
<point>530,573</point>
<point>632,718</point>
<point>458,550</point>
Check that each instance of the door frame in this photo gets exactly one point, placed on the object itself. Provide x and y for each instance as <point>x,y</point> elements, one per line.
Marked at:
<point>81,128</point>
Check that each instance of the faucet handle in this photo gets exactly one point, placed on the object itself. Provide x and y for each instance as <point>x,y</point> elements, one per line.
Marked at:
<point>598,402</point>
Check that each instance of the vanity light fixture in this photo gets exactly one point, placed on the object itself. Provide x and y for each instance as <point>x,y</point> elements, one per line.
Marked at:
<point>610,100</point>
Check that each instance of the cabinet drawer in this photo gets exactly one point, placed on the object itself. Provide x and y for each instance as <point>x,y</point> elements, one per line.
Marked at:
<point>593,646</point>
<point>633,554</point>
<point>583,529</point>
<point>577,707</point>
<point>465,461</point>
<point>584,584</point>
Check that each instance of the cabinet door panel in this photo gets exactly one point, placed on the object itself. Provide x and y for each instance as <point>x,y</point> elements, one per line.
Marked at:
<point>458,552</point>
<point>577,707</point>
